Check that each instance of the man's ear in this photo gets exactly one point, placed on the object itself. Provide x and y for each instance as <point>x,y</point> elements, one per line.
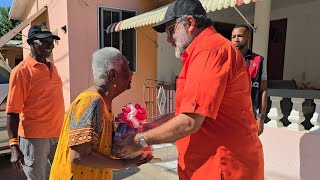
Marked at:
<point>191,22</point>
<point>112,75</point>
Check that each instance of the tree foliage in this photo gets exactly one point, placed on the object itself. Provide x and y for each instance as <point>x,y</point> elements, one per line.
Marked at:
<point>7,24</point>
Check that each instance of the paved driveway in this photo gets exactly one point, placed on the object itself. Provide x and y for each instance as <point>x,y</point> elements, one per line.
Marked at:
<point>147,171</point>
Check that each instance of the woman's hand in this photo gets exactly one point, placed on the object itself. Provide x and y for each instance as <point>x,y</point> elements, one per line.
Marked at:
<point>126,145</point>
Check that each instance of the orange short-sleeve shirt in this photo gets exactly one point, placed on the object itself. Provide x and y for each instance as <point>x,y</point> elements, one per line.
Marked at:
<point>35,91</point>
<point>215,83</point>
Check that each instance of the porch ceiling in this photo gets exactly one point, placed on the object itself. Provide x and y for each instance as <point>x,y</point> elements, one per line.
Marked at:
<point>157,15</point>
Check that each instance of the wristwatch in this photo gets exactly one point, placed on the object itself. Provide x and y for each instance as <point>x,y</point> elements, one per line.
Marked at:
<point>261,116</point>
<point>143,142</point>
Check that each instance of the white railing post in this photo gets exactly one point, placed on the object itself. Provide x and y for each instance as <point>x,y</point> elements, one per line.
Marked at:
<point>296,116</point>
<point>315,120</point>
<point>275,113</point>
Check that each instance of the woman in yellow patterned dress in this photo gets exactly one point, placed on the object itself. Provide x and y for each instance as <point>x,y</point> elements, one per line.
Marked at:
<point>84,147</point>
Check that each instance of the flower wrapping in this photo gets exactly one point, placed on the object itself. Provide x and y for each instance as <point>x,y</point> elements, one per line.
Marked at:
<point>132,119</point>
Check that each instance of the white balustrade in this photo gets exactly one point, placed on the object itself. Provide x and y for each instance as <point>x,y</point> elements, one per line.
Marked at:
<point>315,120</point>
<point>275,113</point>
<point>296,116</point>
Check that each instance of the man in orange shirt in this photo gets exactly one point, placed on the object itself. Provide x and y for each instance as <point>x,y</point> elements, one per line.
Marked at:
<point>214,127</point>
<point>35,107</point>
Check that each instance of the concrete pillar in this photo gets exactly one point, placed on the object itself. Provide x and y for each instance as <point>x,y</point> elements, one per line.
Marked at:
<point>262,23</point>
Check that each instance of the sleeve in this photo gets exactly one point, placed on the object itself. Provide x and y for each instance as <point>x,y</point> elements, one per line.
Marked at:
<point>86,121</point>
<point>19,85</point>
<point>205,84</point>
<point>264,76</point>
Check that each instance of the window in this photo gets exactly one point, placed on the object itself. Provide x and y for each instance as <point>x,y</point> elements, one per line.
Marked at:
<point>125,40</point>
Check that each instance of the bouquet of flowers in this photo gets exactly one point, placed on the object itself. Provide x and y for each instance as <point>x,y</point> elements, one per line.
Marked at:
<point>132,119</point>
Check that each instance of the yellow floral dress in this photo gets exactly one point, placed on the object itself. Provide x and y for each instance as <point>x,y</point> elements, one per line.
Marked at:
<point>87,120</point>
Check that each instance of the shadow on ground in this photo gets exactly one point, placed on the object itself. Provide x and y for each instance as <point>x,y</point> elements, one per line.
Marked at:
<point>7,171</point>
<point>124,173</point>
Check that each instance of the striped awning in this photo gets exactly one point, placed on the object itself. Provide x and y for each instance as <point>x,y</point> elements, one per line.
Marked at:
<point>157,15</point>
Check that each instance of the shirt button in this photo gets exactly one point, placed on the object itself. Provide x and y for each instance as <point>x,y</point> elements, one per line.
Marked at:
<point>193,104</point>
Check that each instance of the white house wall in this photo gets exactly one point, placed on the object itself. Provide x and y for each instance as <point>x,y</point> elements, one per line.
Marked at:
<point>302,40</point>
<point>302,43</point>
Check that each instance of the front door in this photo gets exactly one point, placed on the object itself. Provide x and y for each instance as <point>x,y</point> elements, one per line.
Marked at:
<point>276,50</point>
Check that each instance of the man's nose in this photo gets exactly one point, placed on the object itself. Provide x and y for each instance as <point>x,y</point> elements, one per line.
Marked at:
<point>51,46</point>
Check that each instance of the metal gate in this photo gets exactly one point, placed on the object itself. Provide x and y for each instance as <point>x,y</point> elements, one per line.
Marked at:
<point>151,90</point>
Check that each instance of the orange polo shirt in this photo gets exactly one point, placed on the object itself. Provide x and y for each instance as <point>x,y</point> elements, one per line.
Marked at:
<point>215,83</point>
<point>35,91</point>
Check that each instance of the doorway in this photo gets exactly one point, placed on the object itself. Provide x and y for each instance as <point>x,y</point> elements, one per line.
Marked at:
<point>276,49</point>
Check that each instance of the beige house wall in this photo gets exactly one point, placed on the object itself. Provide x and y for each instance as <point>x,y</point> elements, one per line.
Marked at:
<point>72,54</point>
<point>83,32</point>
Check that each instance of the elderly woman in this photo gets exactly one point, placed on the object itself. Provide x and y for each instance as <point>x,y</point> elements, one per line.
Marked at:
<point>84,148</point>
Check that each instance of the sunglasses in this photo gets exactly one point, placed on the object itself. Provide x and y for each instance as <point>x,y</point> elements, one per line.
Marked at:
<point>170,30</point>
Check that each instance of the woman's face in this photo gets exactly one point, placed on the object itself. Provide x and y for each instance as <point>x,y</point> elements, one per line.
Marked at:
<point>125,76</point>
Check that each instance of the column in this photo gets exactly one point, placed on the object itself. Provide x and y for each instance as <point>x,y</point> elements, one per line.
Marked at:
<point>275,113</point>
<point>262,24</point>
<point>296,116</point>
<point>315,120</point>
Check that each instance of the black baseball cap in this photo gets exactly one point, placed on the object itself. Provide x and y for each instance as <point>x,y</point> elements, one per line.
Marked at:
<point>177,9</point>
<point>39,31</point>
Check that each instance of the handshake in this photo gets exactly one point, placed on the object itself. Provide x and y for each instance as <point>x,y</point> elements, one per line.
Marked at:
<point>128,125</point>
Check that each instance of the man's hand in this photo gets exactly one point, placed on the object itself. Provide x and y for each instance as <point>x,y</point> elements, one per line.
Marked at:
<point>126,145</point>
<point>17,158</point>
<point>142,159</point>
<point>260,123</point>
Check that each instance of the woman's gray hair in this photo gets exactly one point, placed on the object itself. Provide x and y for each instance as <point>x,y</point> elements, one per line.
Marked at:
<point>102,61</point>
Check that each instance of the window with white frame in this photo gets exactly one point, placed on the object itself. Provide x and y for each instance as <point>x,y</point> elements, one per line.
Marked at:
<point>124,40</point>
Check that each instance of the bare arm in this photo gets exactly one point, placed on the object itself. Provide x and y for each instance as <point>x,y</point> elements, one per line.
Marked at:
<point>12,125</point>
<point>264,98</point>
<point>176,128</point>
<point>157,122</point>
<point>84,155</point>
<point>17,157</point>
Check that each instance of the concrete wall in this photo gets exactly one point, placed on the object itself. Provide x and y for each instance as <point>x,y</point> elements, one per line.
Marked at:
<point>290,154</point>
<point>83,35</point>
<point>168,65</point>
<point>301,59</point>
<point>56,18</point>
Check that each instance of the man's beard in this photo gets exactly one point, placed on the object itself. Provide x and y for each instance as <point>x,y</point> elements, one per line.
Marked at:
<point>182,44</point>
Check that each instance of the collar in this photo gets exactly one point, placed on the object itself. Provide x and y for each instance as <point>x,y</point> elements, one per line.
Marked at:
<point>248,55</point>
<point>205,33</point>
<point>32,62</point>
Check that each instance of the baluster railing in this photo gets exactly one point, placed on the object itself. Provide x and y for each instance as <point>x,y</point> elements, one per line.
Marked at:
<point>296,116</point>
<point>275,113</point>
<point>315,120</point>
